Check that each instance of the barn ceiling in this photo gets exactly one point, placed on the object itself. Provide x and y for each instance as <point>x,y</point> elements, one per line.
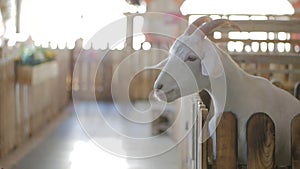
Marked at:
<point>278,7</point>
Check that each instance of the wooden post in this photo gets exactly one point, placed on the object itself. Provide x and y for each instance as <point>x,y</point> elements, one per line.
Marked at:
<point>18,14</point>
<point>129,33</point>
<point>226,142</point>
<point>206,99</point>
<point>210,151</point>
<point>264,67</point>
<point>296,142</point>
<point>261,142</point>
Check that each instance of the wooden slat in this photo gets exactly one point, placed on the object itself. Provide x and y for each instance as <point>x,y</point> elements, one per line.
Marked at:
<point>296,142</point>
<point>210,152</point>
<point>8,135</point>
<point>261,142</point>
<point>280,58</point>
<point>62,86</point>
<point>267,25</point>
<point>226,142</point>
<point>206,101</point>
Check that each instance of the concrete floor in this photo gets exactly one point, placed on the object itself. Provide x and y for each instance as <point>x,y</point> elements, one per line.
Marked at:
<point>69,147</point>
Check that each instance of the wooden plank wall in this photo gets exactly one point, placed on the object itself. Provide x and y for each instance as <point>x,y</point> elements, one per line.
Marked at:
<point>95,69</point>
<point>26,109</point>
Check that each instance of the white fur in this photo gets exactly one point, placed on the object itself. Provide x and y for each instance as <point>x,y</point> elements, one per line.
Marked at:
<point>246,94</point>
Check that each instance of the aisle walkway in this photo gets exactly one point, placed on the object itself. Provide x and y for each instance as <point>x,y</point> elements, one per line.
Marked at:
<point>70,148</point>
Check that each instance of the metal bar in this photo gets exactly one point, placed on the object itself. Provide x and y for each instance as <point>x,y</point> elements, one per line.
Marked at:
<point>195,136</point>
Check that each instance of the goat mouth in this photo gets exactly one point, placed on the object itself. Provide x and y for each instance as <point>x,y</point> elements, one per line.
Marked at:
<point>163,96</point>
<point>170,91</point>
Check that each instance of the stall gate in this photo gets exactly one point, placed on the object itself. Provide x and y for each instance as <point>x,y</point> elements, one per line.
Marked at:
<point>260,142</point>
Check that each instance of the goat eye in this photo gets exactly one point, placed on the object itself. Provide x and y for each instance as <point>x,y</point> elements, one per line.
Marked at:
<point>191,58</point>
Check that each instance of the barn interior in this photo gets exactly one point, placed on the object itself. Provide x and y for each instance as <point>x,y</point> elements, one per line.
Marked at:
<point>77,83</point>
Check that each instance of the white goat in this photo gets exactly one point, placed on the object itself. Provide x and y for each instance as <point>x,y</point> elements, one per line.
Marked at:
<point>193,56</point>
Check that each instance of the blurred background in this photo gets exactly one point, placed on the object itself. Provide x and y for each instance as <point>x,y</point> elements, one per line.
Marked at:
<point>60,60</point>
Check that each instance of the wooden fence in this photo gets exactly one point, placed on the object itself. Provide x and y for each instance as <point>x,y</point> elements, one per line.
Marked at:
<point>8,131</point>
<point>25,109</point>
<point>260,143</point>
<point>95,69</point>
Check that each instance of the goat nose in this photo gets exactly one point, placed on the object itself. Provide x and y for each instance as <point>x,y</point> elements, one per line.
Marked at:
<point>159,86</point>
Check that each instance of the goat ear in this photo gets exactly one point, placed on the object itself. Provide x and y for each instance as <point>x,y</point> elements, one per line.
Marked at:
<point>211,64</point>
<point>159,65</point>
<point>210,68</point>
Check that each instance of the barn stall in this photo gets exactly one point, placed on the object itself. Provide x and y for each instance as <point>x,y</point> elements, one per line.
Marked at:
<point>267,46</point>
<point>258,57</point>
